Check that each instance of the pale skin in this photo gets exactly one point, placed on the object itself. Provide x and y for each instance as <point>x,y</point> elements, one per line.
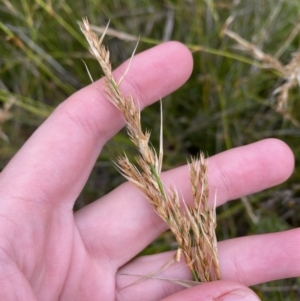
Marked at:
<point>49,253</point>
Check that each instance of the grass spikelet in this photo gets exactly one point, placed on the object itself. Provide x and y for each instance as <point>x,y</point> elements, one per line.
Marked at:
<point>193,227</point>
<point>290,72</point>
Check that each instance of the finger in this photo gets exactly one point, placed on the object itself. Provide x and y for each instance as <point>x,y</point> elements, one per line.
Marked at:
<point>261,258</point>
<point>129,221</point>
<point>214,291</point>
<point>55,162</point>
<point>248,260</point>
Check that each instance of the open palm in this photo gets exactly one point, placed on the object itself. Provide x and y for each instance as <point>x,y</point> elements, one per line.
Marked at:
<point>49,253</point>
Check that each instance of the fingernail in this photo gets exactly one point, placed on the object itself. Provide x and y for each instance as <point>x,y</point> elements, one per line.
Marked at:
<point>239,295</point>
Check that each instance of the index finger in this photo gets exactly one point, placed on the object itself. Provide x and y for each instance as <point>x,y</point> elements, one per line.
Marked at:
<point>55,162</point>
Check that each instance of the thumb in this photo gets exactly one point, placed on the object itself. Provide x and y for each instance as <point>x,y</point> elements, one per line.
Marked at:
<point>215,291</point>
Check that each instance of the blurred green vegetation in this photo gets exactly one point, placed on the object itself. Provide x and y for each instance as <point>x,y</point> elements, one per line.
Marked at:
<point>226,103</point>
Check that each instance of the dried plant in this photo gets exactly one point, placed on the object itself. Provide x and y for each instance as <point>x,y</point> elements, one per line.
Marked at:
<point>290,72</point>
<point>192,226</point>
<point>5,115</point>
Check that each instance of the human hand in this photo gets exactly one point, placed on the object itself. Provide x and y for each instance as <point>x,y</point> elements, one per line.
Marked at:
<point>49,253</point>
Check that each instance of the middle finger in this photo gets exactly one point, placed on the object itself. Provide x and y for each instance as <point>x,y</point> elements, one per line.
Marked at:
<point>123,223</point>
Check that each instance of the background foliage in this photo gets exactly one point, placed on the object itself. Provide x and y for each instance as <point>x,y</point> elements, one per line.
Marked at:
<point>226,103</point>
